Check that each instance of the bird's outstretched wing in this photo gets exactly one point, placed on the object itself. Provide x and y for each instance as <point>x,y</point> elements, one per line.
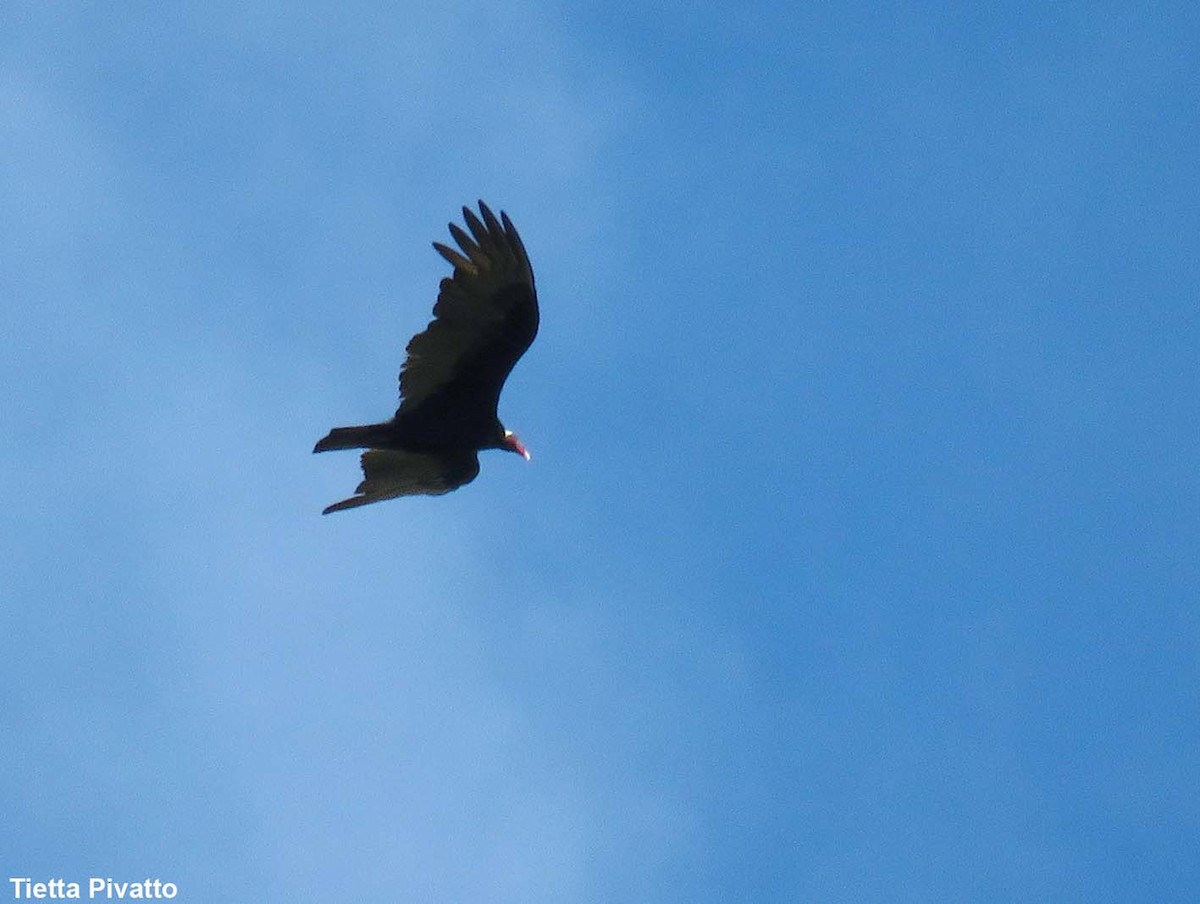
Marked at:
<point>389,474</point>
<point>485,318</point>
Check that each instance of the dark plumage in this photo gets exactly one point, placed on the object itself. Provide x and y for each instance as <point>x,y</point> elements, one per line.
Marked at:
<point>485,317</point>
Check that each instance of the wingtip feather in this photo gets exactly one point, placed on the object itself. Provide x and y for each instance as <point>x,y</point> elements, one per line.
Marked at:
<point>478,230</point>
<point>454,258</point>
<point>489,218</point>
<point>352,502</point>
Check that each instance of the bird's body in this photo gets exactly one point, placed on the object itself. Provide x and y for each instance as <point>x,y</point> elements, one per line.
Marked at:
<point>485,317</point>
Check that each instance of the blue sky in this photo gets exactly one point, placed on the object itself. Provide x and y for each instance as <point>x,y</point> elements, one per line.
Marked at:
<point>857,560</point>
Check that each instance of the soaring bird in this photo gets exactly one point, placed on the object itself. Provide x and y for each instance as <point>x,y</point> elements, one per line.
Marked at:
<point>485,317</point>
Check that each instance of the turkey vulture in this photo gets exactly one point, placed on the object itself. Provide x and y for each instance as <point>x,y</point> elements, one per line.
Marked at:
<point>485,318</point>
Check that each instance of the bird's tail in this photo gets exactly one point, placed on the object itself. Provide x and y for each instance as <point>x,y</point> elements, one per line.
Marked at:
<point>350,438</point>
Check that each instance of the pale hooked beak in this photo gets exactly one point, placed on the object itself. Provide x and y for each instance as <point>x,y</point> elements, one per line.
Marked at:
<point>516,445</point>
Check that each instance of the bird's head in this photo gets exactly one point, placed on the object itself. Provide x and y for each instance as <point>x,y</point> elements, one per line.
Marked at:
<point>513,444</point>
